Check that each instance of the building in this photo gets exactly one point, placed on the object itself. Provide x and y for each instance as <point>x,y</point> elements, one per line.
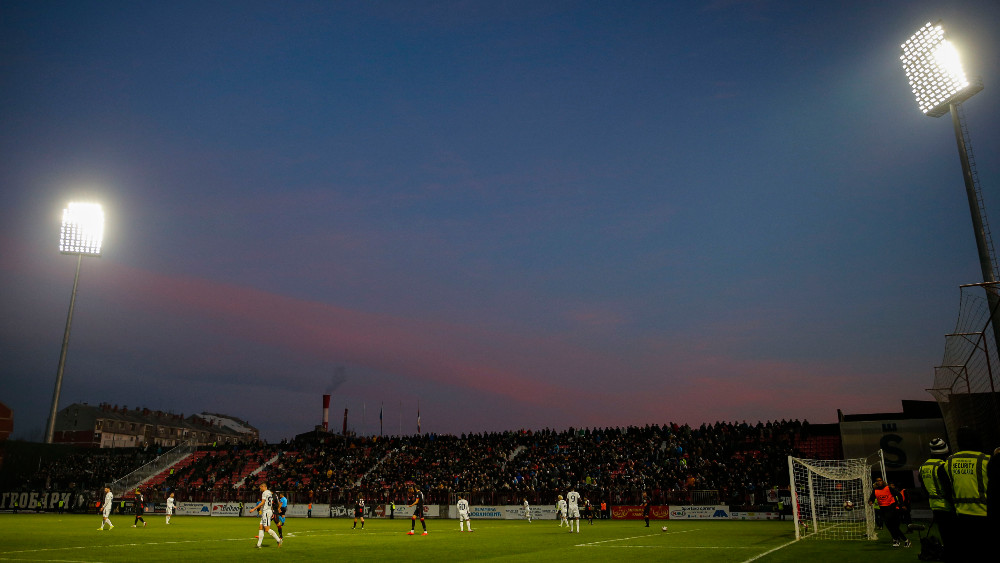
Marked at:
<point>107,426</point>
<point>6,422</point>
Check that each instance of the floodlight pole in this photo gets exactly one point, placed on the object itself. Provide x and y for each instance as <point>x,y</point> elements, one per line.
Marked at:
<point>51,426</point>
<point>985,258</point>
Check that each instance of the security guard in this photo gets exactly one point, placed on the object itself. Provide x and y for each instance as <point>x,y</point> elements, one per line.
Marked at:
<point>941,507</point>
<point>964,480</point>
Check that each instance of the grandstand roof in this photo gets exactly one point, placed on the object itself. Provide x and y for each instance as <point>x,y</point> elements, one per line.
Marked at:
<point>911,410</point>
<point>231,422</point>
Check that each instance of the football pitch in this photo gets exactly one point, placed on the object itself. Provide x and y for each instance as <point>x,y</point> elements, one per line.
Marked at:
<point>64,538</point>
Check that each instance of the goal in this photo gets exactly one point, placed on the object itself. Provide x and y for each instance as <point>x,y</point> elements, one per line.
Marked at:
<point>830,497</point>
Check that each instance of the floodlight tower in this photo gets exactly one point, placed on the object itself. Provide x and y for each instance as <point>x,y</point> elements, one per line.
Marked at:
<point>934,69</point>
<point>81,235</point>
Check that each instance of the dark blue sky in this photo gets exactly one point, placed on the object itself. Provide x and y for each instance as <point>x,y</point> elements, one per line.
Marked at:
<point>523,214</point>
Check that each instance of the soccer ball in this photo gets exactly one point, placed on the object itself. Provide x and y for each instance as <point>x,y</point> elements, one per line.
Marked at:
<point>848,505</point>
<point>664,528</point>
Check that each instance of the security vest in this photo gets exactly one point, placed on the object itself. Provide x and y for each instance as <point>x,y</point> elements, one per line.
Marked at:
<point>932,484</point>
<point>884,497</point>
<point>967,471</point>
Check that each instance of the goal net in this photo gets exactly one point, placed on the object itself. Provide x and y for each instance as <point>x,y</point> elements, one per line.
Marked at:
<point>830,498</point>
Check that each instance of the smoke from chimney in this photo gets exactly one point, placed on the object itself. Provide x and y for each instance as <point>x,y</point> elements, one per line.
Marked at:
<point>326,412</point>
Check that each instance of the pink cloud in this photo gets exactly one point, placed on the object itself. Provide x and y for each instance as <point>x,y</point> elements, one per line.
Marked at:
<point>459,356</point>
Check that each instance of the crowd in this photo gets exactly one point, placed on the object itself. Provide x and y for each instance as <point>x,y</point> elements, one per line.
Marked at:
<point>726,462</point>
<point>87,469</point>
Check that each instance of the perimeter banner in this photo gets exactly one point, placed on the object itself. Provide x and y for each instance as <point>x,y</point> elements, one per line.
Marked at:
<point>193,509</point>
<point>226,509</point>
<point>736,515</point>
<point>46,500</point>
<point>516,512</point>
<point>430,511</point>
<point>706,512</point>
<point>656,512</point>
<point>302,511</point>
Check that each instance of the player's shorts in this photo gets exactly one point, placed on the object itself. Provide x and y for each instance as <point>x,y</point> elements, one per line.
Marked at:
<point>170,512</point>
<point>265,518</point>
<point>107,511</point>
<point>574,512</point>
<point>463,515</point>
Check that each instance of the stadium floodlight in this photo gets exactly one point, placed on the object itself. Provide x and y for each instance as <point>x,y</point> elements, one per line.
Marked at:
<point>82,235</point>
<point>934,69</point>
<point>82,229</point>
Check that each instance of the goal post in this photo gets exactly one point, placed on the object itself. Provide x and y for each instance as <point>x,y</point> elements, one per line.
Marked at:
<point>830,497</point>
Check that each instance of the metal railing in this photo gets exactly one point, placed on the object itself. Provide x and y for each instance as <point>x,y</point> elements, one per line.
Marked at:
<point>128,483</point>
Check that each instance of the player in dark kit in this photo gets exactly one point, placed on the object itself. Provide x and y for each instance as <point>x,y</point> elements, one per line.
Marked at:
<point>418,508</point>
<point>588,511</point>
<point>646,506</point>
<point>140,508</point>
<point>359,512</point>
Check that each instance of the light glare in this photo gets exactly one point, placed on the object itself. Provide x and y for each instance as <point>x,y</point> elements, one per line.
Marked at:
<point>934,70</point>
<point>82,229</point>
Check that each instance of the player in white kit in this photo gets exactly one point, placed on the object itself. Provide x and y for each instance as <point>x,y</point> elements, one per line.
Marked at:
<point>264,506</point>
<point>170,507</point>
<point>109,499</point>
<point>463,514</point>
<point>561,511</point>
<point>573,500</point>
<point>527,511</point>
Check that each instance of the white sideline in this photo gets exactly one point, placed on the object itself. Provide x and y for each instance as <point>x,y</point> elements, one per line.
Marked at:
<point>770,551</point>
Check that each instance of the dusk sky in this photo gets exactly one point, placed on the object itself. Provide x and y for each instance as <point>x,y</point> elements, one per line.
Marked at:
<point>520,214</point>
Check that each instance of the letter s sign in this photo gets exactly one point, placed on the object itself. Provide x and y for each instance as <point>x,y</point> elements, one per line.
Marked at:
<point>894,457</point>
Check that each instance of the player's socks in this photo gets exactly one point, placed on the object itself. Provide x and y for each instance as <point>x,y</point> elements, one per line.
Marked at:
<point>274,535</point>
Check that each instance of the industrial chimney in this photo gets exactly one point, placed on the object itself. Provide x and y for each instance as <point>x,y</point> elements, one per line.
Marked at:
<point>326,412</point>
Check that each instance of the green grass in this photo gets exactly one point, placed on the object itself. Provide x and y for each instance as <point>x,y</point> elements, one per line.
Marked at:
<point>49,537</point>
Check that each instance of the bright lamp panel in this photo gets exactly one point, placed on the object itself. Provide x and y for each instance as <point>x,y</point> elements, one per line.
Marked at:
<point>934,70</point>
<point>82,229</point>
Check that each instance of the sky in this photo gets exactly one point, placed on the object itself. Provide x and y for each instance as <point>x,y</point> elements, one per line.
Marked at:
<point>504,215</point>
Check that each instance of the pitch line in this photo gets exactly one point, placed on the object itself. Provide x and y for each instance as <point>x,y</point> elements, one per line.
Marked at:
<point>591,544</point>
<point>50,560</point>
<point>618,539</point>
<point>770,551</point>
